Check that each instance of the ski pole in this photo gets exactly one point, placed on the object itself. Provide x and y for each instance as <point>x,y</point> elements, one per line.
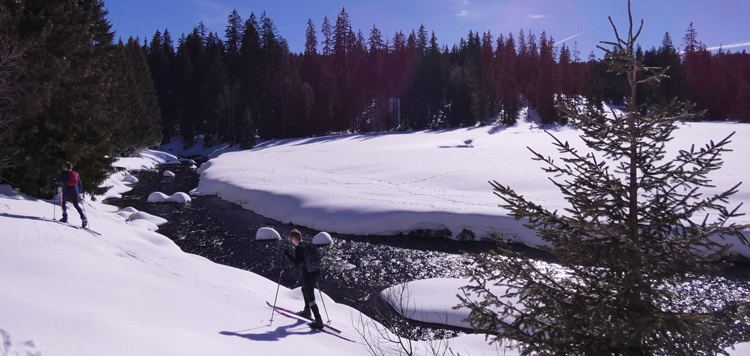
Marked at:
<point>91,205</point>
<point>54,205</point>
<point>62,203</point>
<point>324,302</point>
<point>278,284</point>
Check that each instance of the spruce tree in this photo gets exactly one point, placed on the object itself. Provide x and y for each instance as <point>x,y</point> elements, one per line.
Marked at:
<point>311,39</point>
<point>251,71</point>
<point>64,107</point>
<point>690,40</point>
<point>215,74</point>
<point>546,84</point>
<point>12,68</point>
<point>233,35</point>
<point>636,231</point>
<point>511,101</point>
<point>134,105</point>
<point>160,62</point>
<point>327,32</point>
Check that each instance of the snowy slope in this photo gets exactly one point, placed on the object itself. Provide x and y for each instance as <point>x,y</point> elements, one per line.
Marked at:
<point>134,292</point>
<point>125,290</point>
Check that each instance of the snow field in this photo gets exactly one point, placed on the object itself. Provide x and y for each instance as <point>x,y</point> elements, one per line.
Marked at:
<point>391,183</point>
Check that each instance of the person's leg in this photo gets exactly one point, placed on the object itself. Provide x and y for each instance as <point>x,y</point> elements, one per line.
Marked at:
<point>308,294</point>
<point>312,279</point>
<point>63,204</point>
<point>77,205</point>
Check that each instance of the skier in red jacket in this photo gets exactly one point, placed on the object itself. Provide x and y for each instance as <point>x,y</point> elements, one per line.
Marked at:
<point>71,190</point>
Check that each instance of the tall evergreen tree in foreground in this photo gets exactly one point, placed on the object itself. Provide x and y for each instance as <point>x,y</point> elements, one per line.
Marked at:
<point>64,108</point>
<point>635,236</point>
<point>12,68</point>
<point>78,98</point>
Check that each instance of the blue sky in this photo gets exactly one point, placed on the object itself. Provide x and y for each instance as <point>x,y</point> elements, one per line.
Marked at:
<point>583,22</point>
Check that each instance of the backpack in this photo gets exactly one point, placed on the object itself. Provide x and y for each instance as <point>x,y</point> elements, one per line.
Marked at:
<point>312,256</point>
<point>72,179</point>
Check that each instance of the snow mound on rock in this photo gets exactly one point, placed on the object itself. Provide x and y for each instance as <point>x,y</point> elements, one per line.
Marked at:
<point>322,238</point>
<point>129,178</point>
<point>140,219</point>
<point>267,233</point>
<point>159,197</point>
<point>179,197</point>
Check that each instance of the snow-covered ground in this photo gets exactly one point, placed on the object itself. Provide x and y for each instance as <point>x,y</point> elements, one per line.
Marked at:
<point>398,182</point>
<point>127,290</point>
<point>124,289</point>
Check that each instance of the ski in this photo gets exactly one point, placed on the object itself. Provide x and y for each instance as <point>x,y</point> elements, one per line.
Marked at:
<point>75,227</point>
<point>324,329</point>
<point>292,314</point>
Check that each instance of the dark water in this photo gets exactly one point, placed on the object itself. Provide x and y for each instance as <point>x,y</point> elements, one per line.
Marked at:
<point>356,268</point>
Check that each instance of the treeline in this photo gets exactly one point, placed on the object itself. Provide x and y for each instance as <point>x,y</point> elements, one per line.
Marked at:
<point>69,93</point>
<point>718,83</point>
<point>247,82</point>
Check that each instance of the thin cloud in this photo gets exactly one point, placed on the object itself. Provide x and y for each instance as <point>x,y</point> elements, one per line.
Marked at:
<point>735,45</point>
<point>212,13</point>
<point>572,37</point>
<point>462,7</point>
<point>537,16</point>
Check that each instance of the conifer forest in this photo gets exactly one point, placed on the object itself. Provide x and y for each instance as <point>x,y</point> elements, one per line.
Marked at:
<point>71,91</point>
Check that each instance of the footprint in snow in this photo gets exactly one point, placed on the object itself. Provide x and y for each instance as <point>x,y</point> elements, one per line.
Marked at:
<point>9,348</point>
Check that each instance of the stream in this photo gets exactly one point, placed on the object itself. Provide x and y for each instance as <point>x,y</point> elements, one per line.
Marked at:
<point>355,268</point>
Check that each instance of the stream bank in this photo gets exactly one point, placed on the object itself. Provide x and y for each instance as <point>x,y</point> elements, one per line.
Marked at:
<point>356,268</point>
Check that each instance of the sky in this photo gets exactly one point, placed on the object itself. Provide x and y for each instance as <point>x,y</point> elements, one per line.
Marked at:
<point>579,23</point>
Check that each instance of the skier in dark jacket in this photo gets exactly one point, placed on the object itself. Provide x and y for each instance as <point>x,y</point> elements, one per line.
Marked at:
<point>307,254</point>
<point>71,189</point>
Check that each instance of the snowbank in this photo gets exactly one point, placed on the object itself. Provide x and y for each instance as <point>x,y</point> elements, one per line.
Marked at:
<point>431,300</point>
<point>386,184</point>
<point>146,161</point>
<point>120,182</point>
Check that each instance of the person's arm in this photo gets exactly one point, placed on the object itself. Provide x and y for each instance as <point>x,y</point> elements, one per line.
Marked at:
<point>59,179</point>
<point>80,185</point>
<point>296,258</point>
